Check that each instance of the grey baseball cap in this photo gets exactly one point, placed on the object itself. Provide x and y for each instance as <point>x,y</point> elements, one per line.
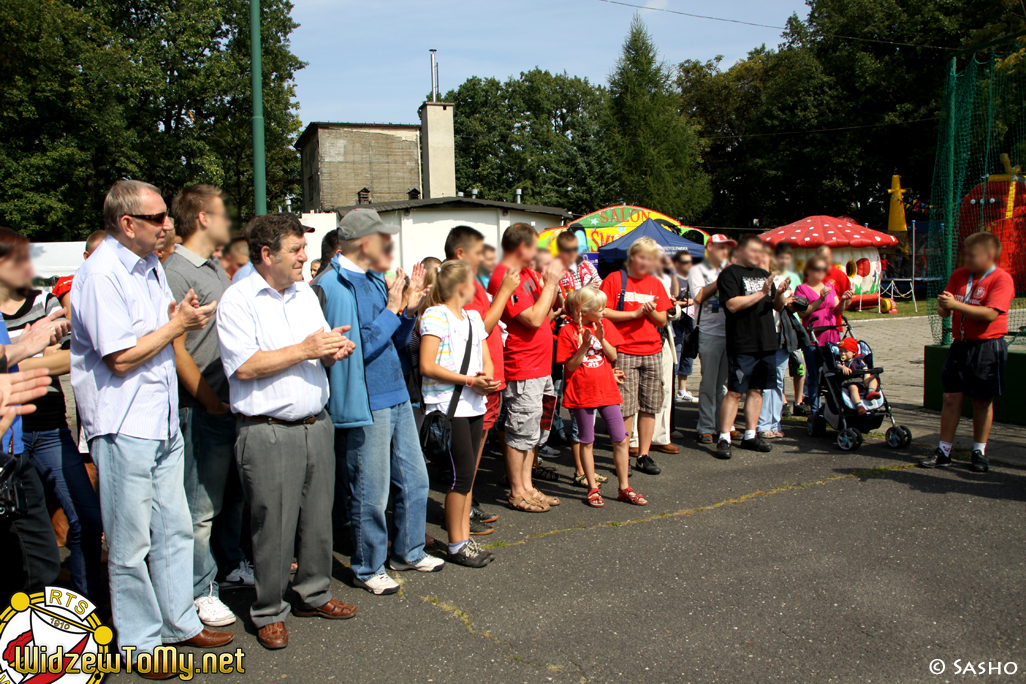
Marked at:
<point>360,223</point>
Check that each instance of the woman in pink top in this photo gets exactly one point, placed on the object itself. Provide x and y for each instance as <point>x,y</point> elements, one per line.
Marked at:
<point>824,309</point>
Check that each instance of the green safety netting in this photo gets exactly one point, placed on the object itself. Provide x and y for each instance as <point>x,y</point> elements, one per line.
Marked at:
<point>978,182</point>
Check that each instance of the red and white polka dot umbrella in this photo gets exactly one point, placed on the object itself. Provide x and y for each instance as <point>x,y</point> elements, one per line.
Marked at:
<point>811,232</point>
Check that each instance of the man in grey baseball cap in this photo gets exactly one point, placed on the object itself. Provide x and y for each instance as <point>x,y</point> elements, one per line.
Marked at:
<point>376,441</point>
<point>360,223</point>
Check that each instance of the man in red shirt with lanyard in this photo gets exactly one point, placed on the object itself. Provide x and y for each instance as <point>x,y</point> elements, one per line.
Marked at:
<point>977,299</point>
<point>467,245</point>
<point>528,362</point>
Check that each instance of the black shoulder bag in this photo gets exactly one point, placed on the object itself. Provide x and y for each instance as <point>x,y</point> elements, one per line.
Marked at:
<point>689,340</point>
<point>436,432</point>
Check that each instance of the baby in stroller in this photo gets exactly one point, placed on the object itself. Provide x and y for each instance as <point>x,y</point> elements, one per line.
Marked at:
<point>850,362</point>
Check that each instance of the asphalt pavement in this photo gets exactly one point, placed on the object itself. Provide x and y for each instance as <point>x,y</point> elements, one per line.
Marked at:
<point>806,564</point>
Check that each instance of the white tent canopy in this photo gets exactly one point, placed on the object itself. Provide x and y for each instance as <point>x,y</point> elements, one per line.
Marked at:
<point>56,258</point>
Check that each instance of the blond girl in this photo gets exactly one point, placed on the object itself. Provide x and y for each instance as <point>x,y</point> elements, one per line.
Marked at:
<point>587,349</point>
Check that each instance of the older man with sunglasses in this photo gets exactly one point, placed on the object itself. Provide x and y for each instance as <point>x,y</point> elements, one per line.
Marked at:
<point>124,319</point>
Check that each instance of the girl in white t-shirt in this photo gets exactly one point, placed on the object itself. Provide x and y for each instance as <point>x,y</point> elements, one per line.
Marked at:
<point>444,329</point>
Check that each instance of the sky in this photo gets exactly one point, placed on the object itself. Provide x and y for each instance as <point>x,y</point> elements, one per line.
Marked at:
<point>368,60</point>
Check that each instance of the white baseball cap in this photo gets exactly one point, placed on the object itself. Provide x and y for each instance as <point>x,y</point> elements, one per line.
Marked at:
<point>721,239</point>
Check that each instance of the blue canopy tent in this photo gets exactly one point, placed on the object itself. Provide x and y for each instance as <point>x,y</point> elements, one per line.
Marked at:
<point>668,240</point>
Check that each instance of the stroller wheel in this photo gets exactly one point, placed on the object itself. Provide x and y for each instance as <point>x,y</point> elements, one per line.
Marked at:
<point>848,439</point>
<point>908,435</point>
<point>861,438</point>
<point>894,437</point>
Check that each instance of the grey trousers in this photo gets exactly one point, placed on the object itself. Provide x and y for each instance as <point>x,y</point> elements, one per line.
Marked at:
<point>712,354</point>
<point>288,476</point>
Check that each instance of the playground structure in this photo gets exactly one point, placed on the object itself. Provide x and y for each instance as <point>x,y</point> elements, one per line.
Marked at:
<point>998,206</point>
<point>856,251</point>
<point>601,227</point>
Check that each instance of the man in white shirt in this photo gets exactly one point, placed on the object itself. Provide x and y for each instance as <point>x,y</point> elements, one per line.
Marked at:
<point>123,321</point>
<point>275,345</point>
<point>712,340</point>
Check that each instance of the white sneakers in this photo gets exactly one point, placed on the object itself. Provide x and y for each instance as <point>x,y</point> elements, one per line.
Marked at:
<point>425,564</point>
<point>686,397</point>
<point>382,585</point>
<point>212,612</point>
<point>241,576</point>
<point>379,585</point>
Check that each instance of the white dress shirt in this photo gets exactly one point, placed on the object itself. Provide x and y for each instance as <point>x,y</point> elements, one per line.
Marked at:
<point>117,298</point>
<point>252,317</point>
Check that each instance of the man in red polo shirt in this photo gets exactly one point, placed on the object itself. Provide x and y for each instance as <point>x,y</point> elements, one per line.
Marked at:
<point>528,361</point>
<point>977,299</point>
<point>467,245</point>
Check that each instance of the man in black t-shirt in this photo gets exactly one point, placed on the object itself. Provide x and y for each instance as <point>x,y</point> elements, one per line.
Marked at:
<point>749,298</point>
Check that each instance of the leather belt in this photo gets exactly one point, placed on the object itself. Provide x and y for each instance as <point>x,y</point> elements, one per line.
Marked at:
<point>276,421</point>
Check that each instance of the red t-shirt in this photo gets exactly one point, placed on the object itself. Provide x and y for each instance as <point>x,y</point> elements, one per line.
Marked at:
<point>481,304</point>
<point>995,291</point>
<point>592,385</point>
<point>62,286</point>
<point>641,335</point>
<point>528,353</point>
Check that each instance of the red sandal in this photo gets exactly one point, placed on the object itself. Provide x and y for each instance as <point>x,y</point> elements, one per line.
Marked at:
<point>632,497</point>
<point>594,498</point>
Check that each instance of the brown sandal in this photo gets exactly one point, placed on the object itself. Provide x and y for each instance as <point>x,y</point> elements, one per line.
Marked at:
<point>536,495</point>
<point>522,503</point>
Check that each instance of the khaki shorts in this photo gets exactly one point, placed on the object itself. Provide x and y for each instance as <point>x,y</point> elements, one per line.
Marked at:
<point>642,390</point>
<point>523,402</point>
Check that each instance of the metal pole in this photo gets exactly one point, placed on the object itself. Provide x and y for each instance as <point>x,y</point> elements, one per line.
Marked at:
<point>259,165</point>
<point>949,201</point>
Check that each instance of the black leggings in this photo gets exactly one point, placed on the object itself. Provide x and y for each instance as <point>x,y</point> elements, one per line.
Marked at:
<point>466,439</point>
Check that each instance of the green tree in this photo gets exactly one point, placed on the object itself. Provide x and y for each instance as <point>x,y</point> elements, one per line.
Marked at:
<point>538,132</point>
<point>152,89</point>
<point>654,150</point>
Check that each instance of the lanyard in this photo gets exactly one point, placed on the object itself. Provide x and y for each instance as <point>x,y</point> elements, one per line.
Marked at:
<point>965,297</point>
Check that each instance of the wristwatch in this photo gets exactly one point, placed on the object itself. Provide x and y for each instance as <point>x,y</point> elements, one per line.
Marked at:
<point>3,359</point>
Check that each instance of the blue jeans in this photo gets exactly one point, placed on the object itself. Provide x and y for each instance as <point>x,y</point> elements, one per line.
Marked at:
<point>773,400</point>
<point>811,376</point>
<point>381,455</point>
<point>209,452</point>
<point>60,466</point>
<point>149,537</point>
<point>558,423</point>
<point>340,509</point>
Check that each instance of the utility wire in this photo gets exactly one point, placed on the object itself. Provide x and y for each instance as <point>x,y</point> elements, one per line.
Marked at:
<point>779,28</point>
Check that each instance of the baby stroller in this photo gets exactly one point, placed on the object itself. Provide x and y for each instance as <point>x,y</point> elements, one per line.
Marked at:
<point>835,405</point>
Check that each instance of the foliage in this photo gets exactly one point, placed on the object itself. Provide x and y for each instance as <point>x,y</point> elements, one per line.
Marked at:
<point>94,91</point>
<point>537,132</point>
<point>819,125</point>
<point>654,148</point>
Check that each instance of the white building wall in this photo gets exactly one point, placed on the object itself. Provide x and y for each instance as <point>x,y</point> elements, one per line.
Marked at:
<point>422,232</point>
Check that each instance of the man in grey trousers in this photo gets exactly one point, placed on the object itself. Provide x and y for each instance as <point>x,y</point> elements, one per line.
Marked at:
<point>275,345</point>
<point>712,338</point>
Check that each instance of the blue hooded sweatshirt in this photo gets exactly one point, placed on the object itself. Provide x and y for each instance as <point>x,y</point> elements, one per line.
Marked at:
<point>359,300</point>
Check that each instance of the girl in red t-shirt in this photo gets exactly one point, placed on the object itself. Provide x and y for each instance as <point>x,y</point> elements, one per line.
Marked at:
<point>587,349</point>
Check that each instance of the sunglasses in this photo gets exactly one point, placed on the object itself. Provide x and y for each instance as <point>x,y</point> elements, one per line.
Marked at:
<point>152,218</point>
<point>820,269</point>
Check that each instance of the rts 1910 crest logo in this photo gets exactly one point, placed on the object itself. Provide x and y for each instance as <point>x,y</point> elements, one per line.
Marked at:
<point>53,636</point>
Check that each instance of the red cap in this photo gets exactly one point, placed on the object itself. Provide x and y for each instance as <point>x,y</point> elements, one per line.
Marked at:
<point>721,239</point>
<point>851,344</point>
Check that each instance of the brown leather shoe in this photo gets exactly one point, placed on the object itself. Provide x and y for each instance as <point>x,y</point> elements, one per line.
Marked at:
<point>632,452</point>
<point>273,636</point>
<point>159,674</point>
<point>666,448</point>
<point>209,638</point>
<point>332,610</point>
